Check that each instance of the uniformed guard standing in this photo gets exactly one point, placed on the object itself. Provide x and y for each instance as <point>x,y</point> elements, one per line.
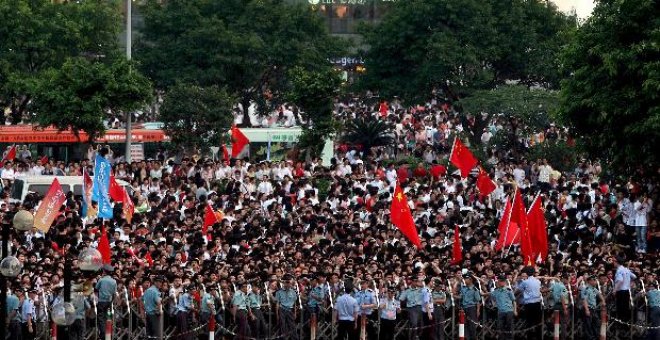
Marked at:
<point>439,297</point>
<point>427,308</point>
<point>347,310</point>
<point>183,309</point>
<point>240,310</point>
<point>27,314</point>
<point>14,316</point>
<point>106,289</point>
<point>367,302</point>
<point>258,321</point>
<point>153,308</point>
<point>285,311</point>
<point>413,299</point>
<point>389,308</point>
<point>316,298</point>
<point>653,297</point>
<point>207,304</point>
<point>590,296</point>
<point>560,300</point>
<point>505,302</point>
<point>471,304</point>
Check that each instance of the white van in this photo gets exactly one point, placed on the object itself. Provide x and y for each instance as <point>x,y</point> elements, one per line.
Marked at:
<point>22,186</point>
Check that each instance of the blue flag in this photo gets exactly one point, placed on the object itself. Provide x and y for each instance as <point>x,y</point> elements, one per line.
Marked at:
<point>101,186</point>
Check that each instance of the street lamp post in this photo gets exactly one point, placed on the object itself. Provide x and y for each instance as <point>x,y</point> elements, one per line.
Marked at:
<point>10,266</point>
<point>129,48</point>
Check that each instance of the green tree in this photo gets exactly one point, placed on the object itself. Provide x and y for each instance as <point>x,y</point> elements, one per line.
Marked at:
<point>612,97</point>
<point>76,95</point>
<point>246,45</point>
<point>196,116</point>
<point>314,93</point>
<point>38,35</point>
<point>456,46</point>
<point>368,133</point>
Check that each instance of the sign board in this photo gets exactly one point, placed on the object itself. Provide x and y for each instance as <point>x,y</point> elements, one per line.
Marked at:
<point>137,152</point>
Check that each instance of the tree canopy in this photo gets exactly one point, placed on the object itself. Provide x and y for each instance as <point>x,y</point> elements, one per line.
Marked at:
<point>196,116</point>
<point>76,95</point>
<point>38,35</point>
<point>612,96</point>
<point>455,46</point>
<point>245,45</point>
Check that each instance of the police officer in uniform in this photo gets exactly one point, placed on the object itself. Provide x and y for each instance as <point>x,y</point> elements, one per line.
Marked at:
<point>316,298</point>
<point>439,297</point>
<point>653,297</point>
<point>389,308</point>
<point>559,295</point>
<point>153,308</point>
<point>367,301</point>
<point>106,288</point>
<point>590,296</point>
<point>505,302</point>
<point>207,303</point>
<point>413,299</point>
<point>258,321</point>
<point>471,304</point>
<point>427,307</point>
<point>14,316</point>
<point>27,314</point>
<point>347,310</point>
<point>183,308</point>
<point>285,310</point>
<point>240,310</point>
<point>530,288</point>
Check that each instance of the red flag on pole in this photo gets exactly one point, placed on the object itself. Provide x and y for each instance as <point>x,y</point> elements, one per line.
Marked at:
<point>401,216</point>
<point>150,260</point>
<point>484,183</point>
<point>509,231</point>
<point>538,229</point>
<point>11,154</point>
<point>519,216</point>
<point>115,191</point>
<point>462,158</point>
<point>43,160</point>
<point>238,141</point>
<point>457,249</point>
<point>209,218</point>
<point>104,247</point>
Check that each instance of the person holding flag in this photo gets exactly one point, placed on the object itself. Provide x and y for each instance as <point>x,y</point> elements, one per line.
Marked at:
<point>401,216</point>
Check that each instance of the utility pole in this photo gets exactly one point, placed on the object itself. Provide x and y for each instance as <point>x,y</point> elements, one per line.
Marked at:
<point>129,47</point>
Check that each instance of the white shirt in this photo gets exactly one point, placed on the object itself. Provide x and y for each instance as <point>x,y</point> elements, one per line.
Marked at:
<point>641,212</point>
<point>8,174</point>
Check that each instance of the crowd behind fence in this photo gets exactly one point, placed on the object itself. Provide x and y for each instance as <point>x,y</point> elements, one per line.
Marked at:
<point>128,323</point>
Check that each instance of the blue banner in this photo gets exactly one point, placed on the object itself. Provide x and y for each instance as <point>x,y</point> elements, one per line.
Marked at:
<point>101,187</point>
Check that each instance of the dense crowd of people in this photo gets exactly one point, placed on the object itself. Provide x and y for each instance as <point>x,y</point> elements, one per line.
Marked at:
<point>296,239</point>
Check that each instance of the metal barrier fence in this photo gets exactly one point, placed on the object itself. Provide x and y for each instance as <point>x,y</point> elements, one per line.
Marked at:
<point>128,323</point>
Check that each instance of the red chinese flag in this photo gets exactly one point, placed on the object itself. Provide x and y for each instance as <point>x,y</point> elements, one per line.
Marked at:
<point>457,249</point>
<point>485,184</point>
<point>225,153</point>
<point>11,154</point>
<point>128,206</point>
<point>238,141</point>
<point>401,216</point>
<point>150,260</point>
<point>209,218</point>
<point>462,158</point>
<point>43,160</point>
<point>49,207</point>
<point>509,232</point>
<point>538,229</point>
<point>519,216</point>
<point>115,191</point>
<point>104,247</point>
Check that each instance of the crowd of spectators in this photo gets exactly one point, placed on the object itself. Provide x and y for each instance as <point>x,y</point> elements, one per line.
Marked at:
<point>306,223</point>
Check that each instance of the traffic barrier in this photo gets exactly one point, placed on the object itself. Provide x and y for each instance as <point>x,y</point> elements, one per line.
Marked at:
<point>108,329</point>
<point>212,327</point>
<point>461,325</point>
<point>53,331</point>
<point>603,323</point>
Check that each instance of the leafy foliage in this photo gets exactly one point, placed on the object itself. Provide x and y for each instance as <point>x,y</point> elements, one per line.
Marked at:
<point>561,155</point>
<point>368,133</point>
<point>38,35</point>
<point>246,45</point>
<point>196,116</point>
<point>613,94</point>
<point>535,108</point>
<point>76,95</point>
<point>459,45</point>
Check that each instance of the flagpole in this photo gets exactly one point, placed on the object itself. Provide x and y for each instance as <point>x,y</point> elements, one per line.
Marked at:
<point>452,148</point>
<point>511,245</point>
<point>508,223</point>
